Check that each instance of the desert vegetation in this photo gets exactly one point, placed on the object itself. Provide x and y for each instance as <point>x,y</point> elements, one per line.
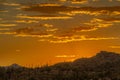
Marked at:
<point>102,66</point>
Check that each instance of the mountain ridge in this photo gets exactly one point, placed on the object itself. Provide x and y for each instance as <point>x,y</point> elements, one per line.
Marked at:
<point>103,66</point>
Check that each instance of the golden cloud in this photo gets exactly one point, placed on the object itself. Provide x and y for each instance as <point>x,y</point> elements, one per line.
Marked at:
<point>11,4</point>
<point>35,35</point>
<point>72,1</point>
<point>8,33</point>
<point>8,25</point>
<point>74,38</point>
<point>52,29</point>
<point>99,23</point>
<point>48,4</point>
<point>79,1</point>
<point>110,19</point>
<point>52,37</point>
<point>27,21</point>
<point>116,46</point>
<point>65,56</point>
<point>45,17</point>
<point>84,28</point>
<point>93,25</point>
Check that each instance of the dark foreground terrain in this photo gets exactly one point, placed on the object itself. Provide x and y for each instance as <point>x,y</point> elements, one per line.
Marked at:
<point>103,66</point>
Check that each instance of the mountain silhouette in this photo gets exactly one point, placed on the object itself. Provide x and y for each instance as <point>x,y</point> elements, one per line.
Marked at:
<point>15,66</point>
<point>99,59</point>
<point>103,66</point>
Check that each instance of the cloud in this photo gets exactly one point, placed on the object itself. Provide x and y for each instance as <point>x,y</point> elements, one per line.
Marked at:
<point>11,4</point>
<point>40,35</point>
<point>72,9</point>
<point>84,28</point>
<point>92,25</point>
<point>8,25</point>
<point>71,1</point>
<point>115,47</point>
<point>66,39</point>
<point>109,19</point>
<point>48,4</point>
<point>18,50</point>
<point>47,9</point>
<point>7,33</point>
<point>79,1</point>
<point>27,21</point>
<point>31,31</point>
<point>1,29</point>
<point>52,29</point>
<point>47,32</point>
<point>57,32</point>
<point>98,23</point>
<point>65,56</point>
<point>41,30</point>
<point>52,34</point>
<point>3,10</point>
<point>68,57</point>
<point>42,17</point>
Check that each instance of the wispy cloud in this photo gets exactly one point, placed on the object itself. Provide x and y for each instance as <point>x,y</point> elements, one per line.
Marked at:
<point>11,4</point>
<point>79,1</point>
<point>65,56</point>
<point>74,38</point>
<point>99,23</point>
<point>109,19</point>
<point>8,25</point>
<point>115,47</point>
<point>84,28</point>
<point>40,17</point>
<point>71,1</point>
<point>7,33</point>
<point>27,21</point>
<point>3,10</point>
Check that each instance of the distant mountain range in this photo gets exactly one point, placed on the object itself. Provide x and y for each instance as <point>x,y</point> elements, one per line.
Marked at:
<point>103,66</point>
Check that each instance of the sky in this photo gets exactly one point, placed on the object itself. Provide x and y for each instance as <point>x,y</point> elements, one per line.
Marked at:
<point>38,32</point>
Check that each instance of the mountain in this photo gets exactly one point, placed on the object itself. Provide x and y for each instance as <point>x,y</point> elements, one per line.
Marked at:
<point>103,66</point>
<point>15,66</point>
<point>100,59</point>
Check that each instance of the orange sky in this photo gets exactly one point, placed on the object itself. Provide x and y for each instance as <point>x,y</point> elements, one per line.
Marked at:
<point>49,31</point>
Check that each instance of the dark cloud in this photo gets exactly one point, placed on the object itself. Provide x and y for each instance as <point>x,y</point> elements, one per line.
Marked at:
<point>71,9</point>
<point>32,31</point>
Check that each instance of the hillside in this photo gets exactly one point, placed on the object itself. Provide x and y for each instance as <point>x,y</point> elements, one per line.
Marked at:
<point>103,66</point>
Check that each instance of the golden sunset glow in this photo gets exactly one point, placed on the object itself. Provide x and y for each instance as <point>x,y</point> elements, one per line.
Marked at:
<point>37,32</point>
